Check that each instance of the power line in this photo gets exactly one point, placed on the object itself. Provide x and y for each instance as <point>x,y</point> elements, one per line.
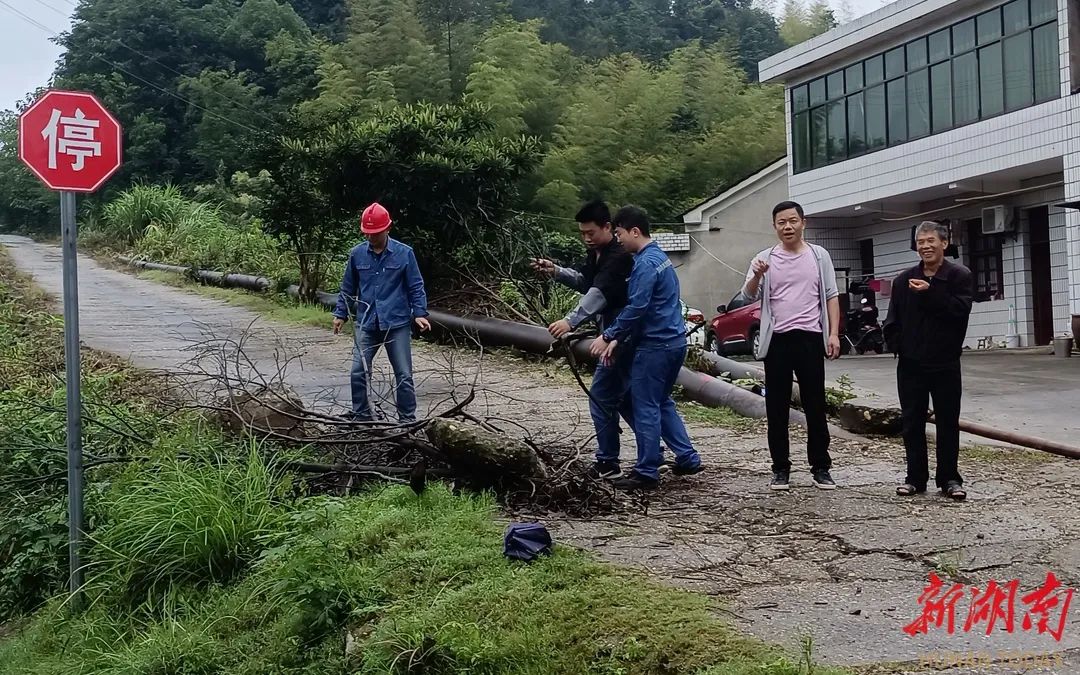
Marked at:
<point>564,219</point>
<point>152,59</point>
<point>37,24</point>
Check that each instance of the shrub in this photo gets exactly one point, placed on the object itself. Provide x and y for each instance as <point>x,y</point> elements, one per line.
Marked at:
<point>189,523</point>
<point>127,217</point>
<point>159,223</point>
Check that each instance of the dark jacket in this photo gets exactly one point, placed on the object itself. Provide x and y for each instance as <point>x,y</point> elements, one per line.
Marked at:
<point>929,327</point>
<point>602,278</point>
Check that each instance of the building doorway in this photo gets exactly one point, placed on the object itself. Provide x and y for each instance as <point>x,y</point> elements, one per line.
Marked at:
<point>1042,295</point>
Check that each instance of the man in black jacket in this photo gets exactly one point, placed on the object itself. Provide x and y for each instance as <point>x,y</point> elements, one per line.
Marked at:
<point>926,326</point>
<point>602,281</point>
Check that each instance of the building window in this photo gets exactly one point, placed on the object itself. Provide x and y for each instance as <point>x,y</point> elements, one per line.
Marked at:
<point>984,258</point>
<point>1002,60</point>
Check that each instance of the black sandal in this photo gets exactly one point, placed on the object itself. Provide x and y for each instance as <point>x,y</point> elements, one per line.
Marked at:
<point>908,490</point>
<point>954,491</point>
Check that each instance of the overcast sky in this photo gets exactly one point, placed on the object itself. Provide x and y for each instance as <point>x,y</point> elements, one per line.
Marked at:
<point>27,56</point>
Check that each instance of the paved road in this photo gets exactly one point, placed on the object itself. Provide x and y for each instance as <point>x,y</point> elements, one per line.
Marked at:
<point>1033,393</point>
<point>846,567</point>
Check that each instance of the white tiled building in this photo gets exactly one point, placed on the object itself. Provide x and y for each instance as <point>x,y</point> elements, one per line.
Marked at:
<point>944,110</point>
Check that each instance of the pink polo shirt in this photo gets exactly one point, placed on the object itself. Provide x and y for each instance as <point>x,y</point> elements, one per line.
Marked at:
<point>794,291</point>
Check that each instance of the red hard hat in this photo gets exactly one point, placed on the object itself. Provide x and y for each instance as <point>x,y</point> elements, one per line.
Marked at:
<point>375,219</point>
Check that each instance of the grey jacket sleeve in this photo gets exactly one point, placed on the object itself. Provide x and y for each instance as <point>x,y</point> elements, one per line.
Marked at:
<point>743,295</point>
<point>828,270</point>
<point>591,304</point>
<point>571,278</point>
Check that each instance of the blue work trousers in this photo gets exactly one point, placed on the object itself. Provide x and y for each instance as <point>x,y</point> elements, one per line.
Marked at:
<point>610,397</point>
<point>399,350</point>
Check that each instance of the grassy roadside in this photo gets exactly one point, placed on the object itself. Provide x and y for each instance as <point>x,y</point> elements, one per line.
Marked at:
<point>204,561</point>
<point>277,307</point>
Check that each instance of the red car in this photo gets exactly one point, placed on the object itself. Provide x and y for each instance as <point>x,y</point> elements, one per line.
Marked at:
<point>735,330</point>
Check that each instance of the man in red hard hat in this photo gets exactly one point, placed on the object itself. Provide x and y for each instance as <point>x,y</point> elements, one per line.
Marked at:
<point>383,285</point>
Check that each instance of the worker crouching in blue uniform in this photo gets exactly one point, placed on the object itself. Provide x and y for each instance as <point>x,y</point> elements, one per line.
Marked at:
<point>652,320</point>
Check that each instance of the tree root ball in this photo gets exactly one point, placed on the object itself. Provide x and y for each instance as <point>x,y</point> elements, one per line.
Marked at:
<point>265,410</point>
<point>476,450</point>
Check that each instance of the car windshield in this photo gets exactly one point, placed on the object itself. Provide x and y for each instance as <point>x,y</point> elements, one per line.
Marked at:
<point>736,303</point>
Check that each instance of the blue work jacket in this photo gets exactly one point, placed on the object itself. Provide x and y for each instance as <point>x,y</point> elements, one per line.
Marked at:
<point>384,289</point>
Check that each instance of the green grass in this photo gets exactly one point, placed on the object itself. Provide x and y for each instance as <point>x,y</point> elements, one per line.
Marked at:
<point>725,418</point>
<point>215,564</point>
<point>419,585</point>
<point>277,307</point>
<point>993,453</point>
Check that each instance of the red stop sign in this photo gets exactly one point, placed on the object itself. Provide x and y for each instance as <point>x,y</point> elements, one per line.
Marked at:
<point>70,141</point>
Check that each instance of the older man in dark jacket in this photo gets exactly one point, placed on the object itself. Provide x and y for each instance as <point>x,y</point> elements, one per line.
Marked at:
<point>926,326</point>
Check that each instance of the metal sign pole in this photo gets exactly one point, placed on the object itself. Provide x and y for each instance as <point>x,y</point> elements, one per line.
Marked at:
<point>72,368</point>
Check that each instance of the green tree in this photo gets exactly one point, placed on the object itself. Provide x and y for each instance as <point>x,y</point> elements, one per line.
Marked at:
<point>520,78</point>
<point>221,96</point>
<point>799,23</point>
<point>385,42</point>
<point>435,167</point>
<point>661,136</point>
<point>455,27</point>
<point>137,54</point>
<point>25,204</point>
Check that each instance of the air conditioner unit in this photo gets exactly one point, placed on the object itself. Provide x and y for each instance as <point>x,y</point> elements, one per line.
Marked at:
<point>996,220</point>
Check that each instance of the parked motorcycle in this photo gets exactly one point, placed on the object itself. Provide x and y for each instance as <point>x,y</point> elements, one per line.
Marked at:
<point>862,331</point>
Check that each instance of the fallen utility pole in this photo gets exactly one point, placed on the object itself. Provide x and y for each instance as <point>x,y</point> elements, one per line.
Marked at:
<point>700,387</point>
<point>719,366</point>
<point>1033,442</point>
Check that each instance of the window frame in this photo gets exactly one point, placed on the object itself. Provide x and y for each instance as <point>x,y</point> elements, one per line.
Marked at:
<point>921,46</point>
<point>985,254</point>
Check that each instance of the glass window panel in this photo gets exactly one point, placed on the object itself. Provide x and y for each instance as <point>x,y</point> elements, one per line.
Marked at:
<point>989,26</point>
<point>853,78</point>
<point>1042,10</point>
<point>818,139</point>
<point>895,92</point>
<point>963,36</point>
<point>835,85</point>
<point>856,120</point>
<point>837,129</point>
<point>1047,85</point>
<point>800,140</point>
<point>965,80</point>
<point>875,117</point>
<point>894,62</point>
<point>817,91</point>
<point>991,83</point>
<point>875,69</point>
<point>918,98</point>
<point>939,46</point>
<point>799,99</point>
<point>1018,85</point>
<point>916,54</point>
<point>941,96</point>
<point>1015,15</point>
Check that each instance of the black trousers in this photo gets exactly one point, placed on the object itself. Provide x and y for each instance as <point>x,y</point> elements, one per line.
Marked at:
<point>917,384</point>
<point>802,354</point>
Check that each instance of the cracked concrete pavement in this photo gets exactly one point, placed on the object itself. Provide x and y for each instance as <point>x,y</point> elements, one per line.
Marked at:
<point>845,567</point>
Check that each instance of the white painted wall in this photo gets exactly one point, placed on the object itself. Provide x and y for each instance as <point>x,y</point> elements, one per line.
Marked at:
<point>893,254</point>
<point>732,231</point>
<point>1047,134</point>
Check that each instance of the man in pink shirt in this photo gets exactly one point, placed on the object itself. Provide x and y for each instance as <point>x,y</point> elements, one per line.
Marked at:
<point>800,322</point>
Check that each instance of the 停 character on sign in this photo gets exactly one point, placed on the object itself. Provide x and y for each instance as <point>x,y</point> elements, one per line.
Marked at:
<point>73,136</point>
